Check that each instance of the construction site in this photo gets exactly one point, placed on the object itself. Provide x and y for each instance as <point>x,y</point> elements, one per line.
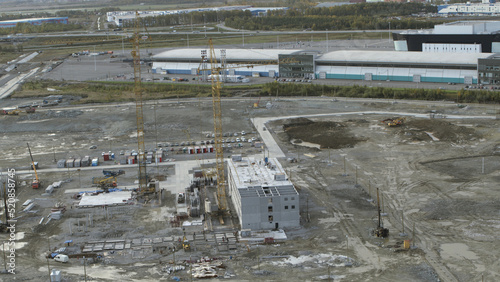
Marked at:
<point>433,177</point>
<point>245,189</point>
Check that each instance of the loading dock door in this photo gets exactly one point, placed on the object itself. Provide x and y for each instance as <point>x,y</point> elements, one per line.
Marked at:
<point>194,71</point>
<point>468,80</point>
<point>322,75</point>
<point>368,76</point>
<point>416,78</point>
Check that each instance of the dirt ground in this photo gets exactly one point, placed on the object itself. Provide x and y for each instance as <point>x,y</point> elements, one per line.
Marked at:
<point>438,176</point>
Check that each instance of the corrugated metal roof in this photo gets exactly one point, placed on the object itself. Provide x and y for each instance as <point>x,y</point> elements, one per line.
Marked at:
<point>398,57</point>
<point>194,54</point>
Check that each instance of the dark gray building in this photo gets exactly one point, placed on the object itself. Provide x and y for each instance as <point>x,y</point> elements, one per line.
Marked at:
<point>488,70</point>
<point>296,66</point>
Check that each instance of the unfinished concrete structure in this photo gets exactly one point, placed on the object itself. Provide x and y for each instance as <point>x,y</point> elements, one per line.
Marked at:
<point>262,195</point>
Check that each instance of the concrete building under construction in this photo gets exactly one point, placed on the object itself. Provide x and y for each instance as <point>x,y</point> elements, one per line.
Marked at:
<point>262,195</point>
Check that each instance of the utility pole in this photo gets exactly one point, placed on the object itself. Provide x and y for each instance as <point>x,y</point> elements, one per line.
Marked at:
<point>4,258</point>
<point>327,40</point>
<point>85,268</point>
<point>48,266</point>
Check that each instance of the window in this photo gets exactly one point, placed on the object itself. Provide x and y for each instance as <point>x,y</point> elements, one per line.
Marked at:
<point>270,218</point>
<point>293,198</point>
<point>270,209</point>
<point>270,200</point>
<point>286,207</point>
<point>286,199</point>
<point>293,207</point>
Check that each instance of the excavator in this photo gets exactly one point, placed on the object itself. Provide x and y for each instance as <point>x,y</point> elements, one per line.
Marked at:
<point>394,122</point>
<point>36,182</point>
<point>107,183</point>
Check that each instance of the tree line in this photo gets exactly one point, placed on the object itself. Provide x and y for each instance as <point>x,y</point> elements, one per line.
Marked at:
<point>346,17</point>
<point>356,91</point>
<point>45,27</point>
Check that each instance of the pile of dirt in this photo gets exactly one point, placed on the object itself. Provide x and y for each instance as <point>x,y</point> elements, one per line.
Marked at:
<point>441,129</point>
<point>327,134</point>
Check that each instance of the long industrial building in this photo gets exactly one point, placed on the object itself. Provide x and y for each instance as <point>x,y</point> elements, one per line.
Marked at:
<point>454,37</point>
<point>34,21</point>
<point>245,62</point>
<point>351,64</point>
<point>262,194</point>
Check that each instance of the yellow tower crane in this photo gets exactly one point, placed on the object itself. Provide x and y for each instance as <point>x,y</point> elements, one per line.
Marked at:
<point>219,154</point>
<point>141,159</point>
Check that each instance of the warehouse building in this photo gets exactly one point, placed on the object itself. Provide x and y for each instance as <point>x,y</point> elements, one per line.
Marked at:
<point>399,66</point>
<point>442,67</point>
<point>485,8</point>
<point>34,21</point>
<point>262,195</point>
<point>454,37</point>
<point>243,62</point>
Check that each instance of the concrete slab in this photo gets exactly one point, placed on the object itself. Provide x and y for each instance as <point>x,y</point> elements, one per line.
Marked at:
<point>106,199</point>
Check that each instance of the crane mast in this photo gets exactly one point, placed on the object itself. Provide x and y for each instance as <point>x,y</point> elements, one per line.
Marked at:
<point>36,182</point>
<point>219,155</point>
<point>141,159</point>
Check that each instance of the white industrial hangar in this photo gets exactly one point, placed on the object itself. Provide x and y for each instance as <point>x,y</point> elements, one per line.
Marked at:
<point>188,61</point>
<point>350,64</point>
<point>399,66</point>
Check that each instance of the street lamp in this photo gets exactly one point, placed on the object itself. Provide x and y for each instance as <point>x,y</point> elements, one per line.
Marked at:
<point>327,40</point>
<point>243,36</point>
<point>389,31</point>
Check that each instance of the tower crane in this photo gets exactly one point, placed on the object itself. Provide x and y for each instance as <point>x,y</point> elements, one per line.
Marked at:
<point>216,76</point>
<point>141,159</point>
<point>36,182</point>
<point>219,155</point>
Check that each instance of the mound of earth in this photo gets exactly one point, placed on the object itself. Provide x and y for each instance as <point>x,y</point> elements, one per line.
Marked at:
<point>327,134</point>
<point>440,129</point>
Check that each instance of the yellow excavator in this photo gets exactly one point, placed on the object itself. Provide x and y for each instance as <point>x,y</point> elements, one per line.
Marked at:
<point>394,122</point>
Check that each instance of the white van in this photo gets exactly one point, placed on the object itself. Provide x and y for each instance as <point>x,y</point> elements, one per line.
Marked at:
<point>61,258</point>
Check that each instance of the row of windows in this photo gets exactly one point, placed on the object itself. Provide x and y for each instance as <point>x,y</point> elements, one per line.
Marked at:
<point>270,208</point>
<point>270,200</point>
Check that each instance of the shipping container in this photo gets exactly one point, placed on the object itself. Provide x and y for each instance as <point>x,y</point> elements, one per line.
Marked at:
<point>86,161</point>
